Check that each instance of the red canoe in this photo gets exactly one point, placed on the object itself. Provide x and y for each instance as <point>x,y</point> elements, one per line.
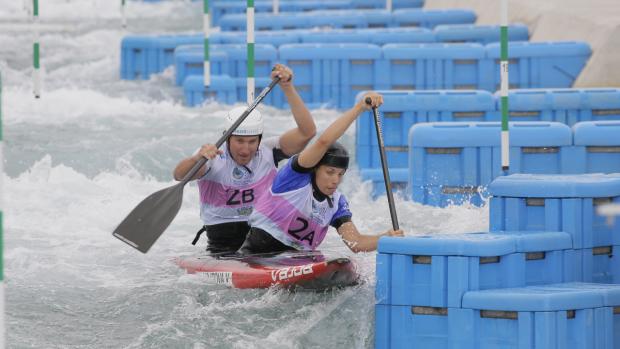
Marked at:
<point>312,270</point>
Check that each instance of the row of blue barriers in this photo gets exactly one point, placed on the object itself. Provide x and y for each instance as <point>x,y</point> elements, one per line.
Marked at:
<point>403,109</point>
<point>544,277</point>
<point>221,8</point>
<point>453,162</point>
<point>565,203</point>
<point>566,315</point>
<point>344,19</point>
<point>332,74</point>
<point>142,56</point>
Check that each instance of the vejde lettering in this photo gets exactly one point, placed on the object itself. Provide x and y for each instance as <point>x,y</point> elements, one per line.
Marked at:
<point>290,272</point>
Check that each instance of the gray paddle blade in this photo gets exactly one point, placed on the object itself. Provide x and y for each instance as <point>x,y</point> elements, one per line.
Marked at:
<point>145,224</point>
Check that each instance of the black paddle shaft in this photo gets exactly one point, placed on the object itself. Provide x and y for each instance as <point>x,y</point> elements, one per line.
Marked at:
<point>386,173</point>
<point>147,221</point>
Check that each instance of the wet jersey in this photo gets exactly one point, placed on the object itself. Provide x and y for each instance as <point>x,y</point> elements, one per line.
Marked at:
<point>290,213</point>
<point>228,191</point>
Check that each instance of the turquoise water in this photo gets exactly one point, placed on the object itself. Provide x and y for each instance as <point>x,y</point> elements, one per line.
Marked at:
<point>80,158</point>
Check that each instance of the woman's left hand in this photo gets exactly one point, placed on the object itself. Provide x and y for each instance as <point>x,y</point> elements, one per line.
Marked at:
<point>398,232</point>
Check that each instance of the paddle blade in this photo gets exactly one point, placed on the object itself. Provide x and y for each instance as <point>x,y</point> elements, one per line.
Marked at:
<point>145,224</point>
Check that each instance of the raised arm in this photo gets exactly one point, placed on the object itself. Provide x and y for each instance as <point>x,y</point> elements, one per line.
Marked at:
<point>362,243</point>
<point>294,140</point>
<point>311,156</point>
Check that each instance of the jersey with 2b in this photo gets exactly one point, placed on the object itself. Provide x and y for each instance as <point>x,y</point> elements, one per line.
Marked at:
<point>291,214</point>
<point>228,190</point>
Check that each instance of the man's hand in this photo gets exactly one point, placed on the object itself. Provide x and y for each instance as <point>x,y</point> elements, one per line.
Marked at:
<point>209,151</point>
<point>284,73</point>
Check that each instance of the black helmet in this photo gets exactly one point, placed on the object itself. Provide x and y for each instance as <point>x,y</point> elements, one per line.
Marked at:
<point>336,156</point>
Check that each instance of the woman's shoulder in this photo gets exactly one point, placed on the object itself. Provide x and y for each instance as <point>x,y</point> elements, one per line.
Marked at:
<point>290,178</point>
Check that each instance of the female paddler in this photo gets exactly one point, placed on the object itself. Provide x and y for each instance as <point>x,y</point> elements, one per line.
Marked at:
<point>303,200</point>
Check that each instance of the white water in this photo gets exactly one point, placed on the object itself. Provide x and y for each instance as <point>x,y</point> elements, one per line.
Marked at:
<point>81,157</point>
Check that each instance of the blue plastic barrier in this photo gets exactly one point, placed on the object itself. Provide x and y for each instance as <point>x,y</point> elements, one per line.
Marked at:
<point>265,57</point>
<point>166,44</point>
<point>222,89</point>
<point>225,90</point>
<point>568,106</point>
<point>263,21</point>
<point>436,270</point>
<point>396,4</point>
<point>380,19</point>
<point>611,300</point>
<point>374,36</point>
<point>274,98</point>
<point>599,264</point>
<point>398,179</point>
<point>270,37</point>
<point>538,316</point>
<point>236,22</point>
<point>142,56</point>
<point>400,35</point>
<point>350,19</point>
<point>597,147</point>
<point>220,9</point>
<point>189,60</point>
<point>600,104</point>
<point>546,254</point>
<point>557,203</point>
<point>482,34</point>
<point>432,66</point>
<point>431,18</point>
<point>332,73</point>
<point>537,64</point>
<point>528,317</point>
<point>337,36</point>
<point>453,162</point>
<point>138,57</point>
<point>402,109</point>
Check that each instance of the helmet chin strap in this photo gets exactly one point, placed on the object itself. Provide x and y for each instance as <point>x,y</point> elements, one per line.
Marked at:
<point>318,194</point>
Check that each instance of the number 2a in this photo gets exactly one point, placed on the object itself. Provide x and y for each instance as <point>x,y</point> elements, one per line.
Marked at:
<point>304,224</point>
<point>246,197</point>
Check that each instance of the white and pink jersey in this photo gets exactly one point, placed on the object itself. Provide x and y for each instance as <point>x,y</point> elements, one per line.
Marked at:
<point>289,212</point>
<point>228,191</point>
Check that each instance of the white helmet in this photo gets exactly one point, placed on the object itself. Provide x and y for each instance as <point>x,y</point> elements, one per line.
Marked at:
<point>251,126</point>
